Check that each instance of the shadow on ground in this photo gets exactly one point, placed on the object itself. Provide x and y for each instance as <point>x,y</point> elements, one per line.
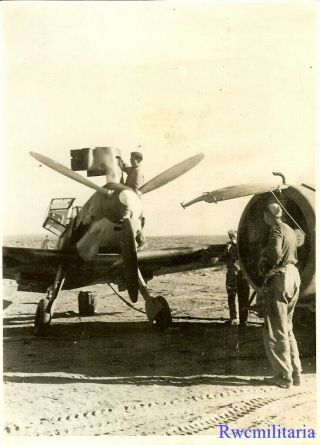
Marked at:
<point>29,319</point>
<point>136,353</point>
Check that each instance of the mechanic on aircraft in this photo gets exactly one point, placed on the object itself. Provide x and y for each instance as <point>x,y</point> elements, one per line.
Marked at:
<point>281,291</point>
<point>236,282</point>
<point>135,180</point>
<point>135,176</point>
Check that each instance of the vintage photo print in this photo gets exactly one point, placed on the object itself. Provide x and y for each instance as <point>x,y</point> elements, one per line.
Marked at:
<point>159,166</point>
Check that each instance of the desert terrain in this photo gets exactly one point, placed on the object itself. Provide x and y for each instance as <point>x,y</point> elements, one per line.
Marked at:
<point>115,374</point>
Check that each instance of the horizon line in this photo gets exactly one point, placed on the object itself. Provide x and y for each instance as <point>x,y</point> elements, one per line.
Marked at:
<point>54,237</point>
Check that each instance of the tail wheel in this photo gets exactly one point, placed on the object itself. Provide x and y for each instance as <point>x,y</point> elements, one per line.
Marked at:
<point>42,319</point>
<point>163,319</point>
<point>87,303</point>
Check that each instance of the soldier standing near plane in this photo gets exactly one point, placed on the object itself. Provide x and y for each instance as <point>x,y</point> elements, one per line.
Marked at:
<point>236,282</point>
<point>281,292</point>
<point>45,243</point>
<point>135,180</point>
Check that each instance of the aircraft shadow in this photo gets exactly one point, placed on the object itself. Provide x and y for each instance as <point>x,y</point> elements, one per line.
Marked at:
<point>136,353</point>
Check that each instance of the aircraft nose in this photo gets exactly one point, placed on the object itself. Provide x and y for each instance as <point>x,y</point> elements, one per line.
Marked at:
<point>132,202</point>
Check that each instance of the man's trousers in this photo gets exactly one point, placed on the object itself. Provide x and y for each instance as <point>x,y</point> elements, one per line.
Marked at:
<point>281,347</point>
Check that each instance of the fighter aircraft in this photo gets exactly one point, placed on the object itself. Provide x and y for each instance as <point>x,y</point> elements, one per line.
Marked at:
<point>298,205</point>
<point>97,243</point>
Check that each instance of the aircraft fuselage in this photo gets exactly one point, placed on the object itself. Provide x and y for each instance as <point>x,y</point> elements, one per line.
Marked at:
<point>98,224</point>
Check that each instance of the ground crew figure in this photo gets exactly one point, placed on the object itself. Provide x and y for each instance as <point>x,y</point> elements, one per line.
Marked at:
<point>135,177</point>
<point>45,243</point>
<point>135,180</point>
<point>281,291</point>
<point>236,282</point>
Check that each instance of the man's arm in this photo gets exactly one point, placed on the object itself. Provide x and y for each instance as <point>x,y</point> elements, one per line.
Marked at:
<point>225,254</point>
<point>124,167</point>
<point>273,251</point>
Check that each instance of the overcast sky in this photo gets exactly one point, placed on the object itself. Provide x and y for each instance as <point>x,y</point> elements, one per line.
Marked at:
<point>235,82</point>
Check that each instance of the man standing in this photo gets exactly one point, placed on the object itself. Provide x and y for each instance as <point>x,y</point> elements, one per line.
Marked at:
<point>236,282</point>
<point>281,291</point>
<point>45,243</point>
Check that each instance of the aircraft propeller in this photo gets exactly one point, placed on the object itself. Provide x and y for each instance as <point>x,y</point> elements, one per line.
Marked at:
<point>158,181</point>
<point>129,250</point>
<point>67,172</point>
<point>171,173</point>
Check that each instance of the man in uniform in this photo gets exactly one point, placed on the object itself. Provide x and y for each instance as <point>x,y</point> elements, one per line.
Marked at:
<point>236,282</point>
<point>281,291</point>
<point>135,180</point>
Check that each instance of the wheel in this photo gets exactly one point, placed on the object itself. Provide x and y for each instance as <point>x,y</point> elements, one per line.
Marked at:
<point>42,319</point>
<point>163,319</point>
<point>87,303</point>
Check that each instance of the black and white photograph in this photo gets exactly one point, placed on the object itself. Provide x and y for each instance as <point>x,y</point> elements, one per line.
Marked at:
<point>159,215</point>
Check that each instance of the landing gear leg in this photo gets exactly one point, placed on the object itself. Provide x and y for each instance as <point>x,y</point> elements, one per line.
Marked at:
<point>157,309</point>
<point>45,308</point>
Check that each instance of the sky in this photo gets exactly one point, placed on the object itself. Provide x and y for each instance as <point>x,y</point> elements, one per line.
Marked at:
<point>170,79</point>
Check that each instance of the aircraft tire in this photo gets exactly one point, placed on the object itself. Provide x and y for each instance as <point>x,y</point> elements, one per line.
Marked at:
<point>87,303</point>
<point>42,319</point>
<point>164,319</point>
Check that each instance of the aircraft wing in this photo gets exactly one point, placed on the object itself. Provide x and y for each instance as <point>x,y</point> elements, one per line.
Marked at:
<point>34,269</point>
<point>102,269</point>
<point>164,261</point>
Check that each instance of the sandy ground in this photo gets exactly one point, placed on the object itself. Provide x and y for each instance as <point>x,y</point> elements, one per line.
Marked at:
<point>113,373</point>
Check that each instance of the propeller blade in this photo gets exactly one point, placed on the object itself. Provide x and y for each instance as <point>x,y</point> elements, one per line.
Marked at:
<point>172,173</point>
<point>67,172</point>
<point>130,261</point>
